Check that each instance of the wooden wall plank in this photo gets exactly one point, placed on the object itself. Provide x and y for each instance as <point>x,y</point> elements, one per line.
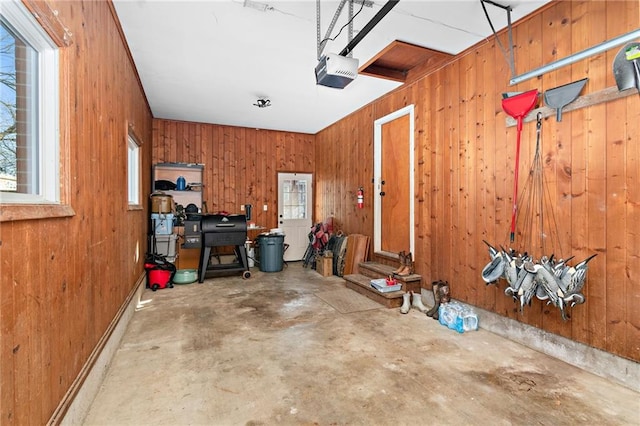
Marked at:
<point>262,171</point>
<point>220,195</point>
<point>500,192</point>
<point>8,319</point>
<point>422,182</point>
<point>616,219</point>
<point>457,105</point>
<point>241,171</point>
<point>217,170</point>
<point>632,233</point>
<point>476,217</point>
<point>468,175</point>
<point>632,241</point>
<point>523,63</point>
<point>486,118</point>
<point>578,224</point>
<point>556,41</point>
<point>23,349</point>
<point>439,191</point>
<point>616,307</point>
<point>596,189</point>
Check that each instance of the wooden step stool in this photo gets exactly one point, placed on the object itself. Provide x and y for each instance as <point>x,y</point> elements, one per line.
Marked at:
<point>361,283</point>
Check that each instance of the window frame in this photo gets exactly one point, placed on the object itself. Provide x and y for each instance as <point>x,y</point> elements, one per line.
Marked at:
<point>134,182</point>
<point>52,146</point>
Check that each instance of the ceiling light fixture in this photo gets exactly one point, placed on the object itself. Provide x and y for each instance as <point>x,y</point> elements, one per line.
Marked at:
<point>262,103</point>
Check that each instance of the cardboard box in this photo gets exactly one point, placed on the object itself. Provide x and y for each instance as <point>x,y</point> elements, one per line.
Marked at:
<point>324,266</point>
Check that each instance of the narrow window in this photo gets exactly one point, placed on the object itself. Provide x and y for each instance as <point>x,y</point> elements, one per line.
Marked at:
<point>133,170</point>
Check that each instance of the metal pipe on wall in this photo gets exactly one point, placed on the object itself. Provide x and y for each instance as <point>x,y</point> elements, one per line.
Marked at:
<point>576,57</point>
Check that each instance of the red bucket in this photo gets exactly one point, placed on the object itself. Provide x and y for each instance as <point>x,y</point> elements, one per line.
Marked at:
<point>157,278</point>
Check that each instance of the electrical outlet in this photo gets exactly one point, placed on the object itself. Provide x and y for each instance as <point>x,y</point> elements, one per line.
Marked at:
<point>264,208</point>
<point>241,207</point>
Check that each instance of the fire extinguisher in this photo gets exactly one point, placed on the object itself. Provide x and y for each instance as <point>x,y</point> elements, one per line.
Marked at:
<point>361,198</point>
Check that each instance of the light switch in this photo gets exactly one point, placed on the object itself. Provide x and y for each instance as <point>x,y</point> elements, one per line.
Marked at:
<point>265,208</point>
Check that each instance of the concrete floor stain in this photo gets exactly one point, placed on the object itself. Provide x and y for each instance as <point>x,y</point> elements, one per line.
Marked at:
<point>267,351</point>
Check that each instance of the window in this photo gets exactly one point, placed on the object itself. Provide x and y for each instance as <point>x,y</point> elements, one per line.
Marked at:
<point>29,116</point>
<point>295,199</point>
<point>133,170</point>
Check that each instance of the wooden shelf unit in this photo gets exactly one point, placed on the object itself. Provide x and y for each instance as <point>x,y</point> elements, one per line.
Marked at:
<point>192,173</point>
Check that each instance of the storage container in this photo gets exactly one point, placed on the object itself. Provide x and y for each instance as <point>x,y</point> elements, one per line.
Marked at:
<point>383,286</point>
<point>162,223</point>
<point>271,252</point>
<point>161,203</point>
<point>166,246</point>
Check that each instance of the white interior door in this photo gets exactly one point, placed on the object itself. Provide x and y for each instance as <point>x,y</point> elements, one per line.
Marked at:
<point>294,212</point>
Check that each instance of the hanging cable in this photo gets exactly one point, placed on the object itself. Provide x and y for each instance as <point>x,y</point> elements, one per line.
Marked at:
<point>537,218</point>
<point>509,58</point>
<point>344,26</point>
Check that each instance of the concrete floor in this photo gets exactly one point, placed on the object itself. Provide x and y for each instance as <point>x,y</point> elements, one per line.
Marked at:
<point>270,350</point>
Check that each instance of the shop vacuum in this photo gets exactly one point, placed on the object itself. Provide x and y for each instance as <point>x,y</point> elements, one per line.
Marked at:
<point>160,272</point>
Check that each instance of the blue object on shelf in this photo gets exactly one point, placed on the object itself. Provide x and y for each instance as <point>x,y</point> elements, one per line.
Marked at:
<point>181,184</point>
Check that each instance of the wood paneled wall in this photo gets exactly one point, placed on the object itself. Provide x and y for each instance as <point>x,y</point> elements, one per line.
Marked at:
<point>240,164</point>
<point>464,171</point>
<point>63,280</point>
<point>345,153</point>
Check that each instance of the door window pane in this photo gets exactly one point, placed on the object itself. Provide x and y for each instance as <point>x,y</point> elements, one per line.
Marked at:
<point>294,193</point>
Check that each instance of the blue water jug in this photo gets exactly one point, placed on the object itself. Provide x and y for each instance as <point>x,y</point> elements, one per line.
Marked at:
<point>181,184</point>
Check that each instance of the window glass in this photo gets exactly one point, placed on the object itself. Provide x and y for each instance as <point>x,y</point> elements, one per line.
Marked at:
<point>29,120</point>
<point>294,194</point>
<point>18,153</point>
<point>133,171</point>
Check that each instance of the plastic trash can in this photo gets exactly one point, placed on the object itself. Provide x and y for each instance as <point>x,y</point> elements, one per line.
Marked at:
<point>271,252</point>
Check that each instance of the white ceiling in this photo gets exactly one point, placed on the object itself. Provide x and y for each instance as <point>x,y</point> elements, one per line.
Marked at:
<point>209,61</point>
